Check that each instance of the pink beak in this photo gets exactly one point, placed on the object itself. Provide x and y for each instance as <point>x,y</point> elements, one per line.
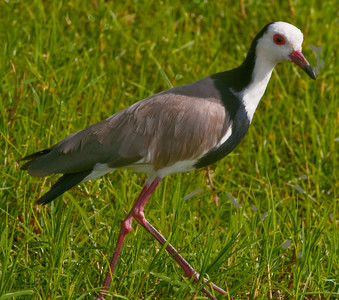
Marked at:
<point>299,59</point>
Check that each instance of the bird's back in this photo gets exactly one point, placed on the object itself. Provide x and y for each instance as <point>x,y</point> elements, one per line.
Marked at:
<point>182,123</point>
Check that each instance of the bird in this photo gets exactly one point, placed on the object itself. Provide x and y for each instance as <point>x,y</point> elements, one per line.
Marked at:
<point>178,130</point>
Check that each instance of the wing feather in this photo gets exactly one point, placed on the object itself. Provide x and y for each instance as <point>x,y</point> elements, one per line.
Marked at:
<point>178,124</point>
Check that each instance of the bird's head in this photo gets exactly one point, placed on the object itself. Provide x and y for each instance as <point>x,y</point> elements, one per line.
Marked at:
<point>279,42</point>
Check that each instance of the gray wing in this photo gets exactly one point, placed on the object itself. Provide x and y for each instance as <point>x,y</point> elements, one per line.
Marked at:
<point>178,124</point>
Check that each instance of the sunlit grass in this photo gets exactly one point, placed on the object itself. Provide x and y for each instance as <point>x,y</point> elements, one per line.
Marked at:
<point>65,65</point>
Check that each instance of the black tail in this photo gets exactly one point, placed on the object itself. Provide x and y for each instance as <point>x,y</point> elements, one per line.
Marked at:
<point>33,157</point>
<point>64,183</point>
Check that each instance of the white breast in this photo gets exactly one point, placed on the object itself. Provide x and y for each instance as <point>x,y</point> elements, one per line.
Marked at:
<point>252,94</point>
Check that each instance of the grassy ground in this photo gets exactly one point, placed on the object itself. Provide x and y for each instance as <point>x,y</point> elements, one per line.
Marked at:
<point>67,64</point>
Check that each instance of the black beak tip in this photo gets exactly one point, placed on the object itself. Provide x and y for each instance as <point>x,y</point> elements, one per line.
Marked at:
<point>310,72</point>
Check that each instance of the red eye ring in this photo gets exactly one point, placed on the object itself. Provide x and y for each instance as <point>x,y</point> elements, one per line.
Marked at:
<point>278,39</point>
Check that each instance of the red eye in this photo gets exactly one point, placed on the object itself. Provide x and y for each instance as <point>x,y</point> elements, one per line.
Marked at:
<point>278,39</point>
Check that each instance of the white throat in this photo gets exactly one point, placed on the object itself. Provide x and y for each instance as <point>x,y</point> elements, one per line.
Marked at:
<point>252,94</point>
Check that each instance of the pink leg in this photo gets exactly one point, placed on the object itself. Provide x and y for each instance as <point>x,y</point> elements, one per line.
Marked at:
<point>137,212</point>
<point>125,228</point>
<point>210,180</point>
<point>188,269</point>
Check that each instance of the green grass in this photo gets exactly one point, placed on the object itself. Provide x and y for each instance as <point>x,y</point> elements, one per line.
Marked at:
<point>67,64</point>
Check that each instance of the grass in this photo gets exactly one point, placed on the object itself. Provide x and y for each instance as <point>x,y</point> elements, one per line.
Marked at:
<point>67,64</point>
